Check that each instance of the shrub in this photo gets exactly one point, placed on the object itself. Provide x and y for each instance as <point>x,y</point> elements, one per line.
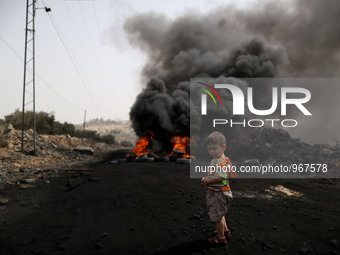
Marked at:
<point>46,124</point>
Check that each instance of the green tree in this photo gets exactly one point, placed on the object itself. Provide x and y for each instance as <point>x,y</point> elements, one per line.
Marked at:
<point>46,124</point>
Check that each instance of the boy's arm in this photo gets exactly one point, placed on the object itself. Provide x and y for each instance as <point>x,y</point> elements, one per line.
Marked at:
<point>211,180</point>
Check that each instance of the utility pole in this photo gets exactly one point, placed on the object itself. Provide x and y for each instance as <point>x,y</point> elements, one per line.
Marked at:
<point>29,64</point>
<point>82,139</point>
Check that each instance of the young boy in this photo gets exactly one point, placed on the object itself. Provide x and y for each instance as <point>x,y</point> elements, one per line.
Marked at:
<point>219,195</point>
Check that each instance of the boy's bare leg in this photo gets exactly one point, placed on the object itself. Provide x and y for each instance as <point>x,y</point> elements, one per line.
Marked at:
<point>225,227</point>
<point>224,224</point>
<point>220,228</point>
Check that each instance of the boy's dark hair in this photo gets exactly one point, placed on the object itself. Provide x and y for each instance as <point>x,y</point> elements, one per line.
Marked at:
<point>216,138</point>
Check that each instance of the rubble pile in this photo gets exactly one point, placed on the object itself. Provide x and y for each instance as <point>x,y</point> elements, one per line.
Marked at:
<point>21,168</point>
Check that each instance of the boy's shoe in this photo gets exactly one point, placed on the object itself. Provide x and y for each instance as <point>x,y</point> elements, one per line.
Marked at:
<point>217,240</point>
<point>227,234</point>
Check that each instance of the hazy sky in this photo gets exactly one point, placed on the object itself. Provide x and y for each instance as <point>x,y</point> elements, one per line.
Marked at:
<point>93,33</point>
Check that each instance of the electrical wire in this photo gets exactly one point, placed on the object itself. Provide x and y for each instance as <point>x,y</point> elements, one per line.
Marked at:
<point>41,79</point>
<point>103,52</point>
<point>91,42</point>
<point>107,88</point>
<point>54,23</point>
<point>78,35</point>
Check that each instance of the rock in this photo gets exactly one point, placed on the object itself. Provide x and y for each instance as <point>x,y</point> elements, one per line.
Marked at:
<point>24,186</point>
<point>240,222</point>
<point>4,153</point>
<point>252,162</point>
<point>270,247</point>
<point>304,251</point>
<point>10,128</point>
<point>28,180</point>
<point>74,182</point>
<point>99,245</point>
<point>84,150</point>
<point>333,243</point>
<point>268,145</point>
<point>3,201</point>
<point>93,179</point>
<point>42,176</point>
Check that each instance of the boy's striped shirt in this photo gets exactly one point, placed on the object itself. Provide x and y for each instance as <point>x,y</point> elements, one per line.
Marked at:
<point>224,164</point>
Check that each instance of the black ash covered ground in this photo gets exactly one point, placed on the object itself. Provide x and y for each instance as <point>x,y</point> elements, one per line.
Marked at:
<point>155,208</point>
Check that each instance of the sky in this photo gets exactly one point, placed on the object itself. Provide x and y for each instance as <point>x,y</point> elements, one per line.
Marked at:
<point>98,72</point>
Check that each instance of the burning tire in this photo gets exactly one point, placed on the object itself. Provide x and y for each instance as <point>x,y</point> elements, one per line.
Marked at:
<point>183,160</point>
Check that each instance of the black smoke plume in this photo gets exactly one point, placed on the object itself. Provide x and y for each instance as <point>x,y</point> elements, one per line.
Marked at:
<point>276,39</point>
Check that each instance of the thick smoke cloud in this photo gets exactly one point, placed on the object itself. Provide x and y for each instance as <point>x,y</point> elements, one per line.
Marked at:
<point>274,40</point>
<point>309,31</point>
<point>255,59</point>
<point>161,112</point>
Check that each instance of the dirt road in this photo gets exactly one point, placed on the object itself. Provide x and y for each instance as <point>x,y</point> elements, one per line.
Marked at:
<point>155,208</point>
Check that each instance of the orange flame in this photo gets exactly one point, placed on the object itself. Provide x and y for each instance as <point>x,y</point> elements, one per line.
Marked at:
<point>180,146</point>
<point>142,145</point>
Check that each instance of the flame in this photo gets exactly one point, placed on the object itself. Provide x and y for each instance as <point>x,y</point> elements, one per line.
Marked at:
<point>180,146</point>
<point>142,145</point>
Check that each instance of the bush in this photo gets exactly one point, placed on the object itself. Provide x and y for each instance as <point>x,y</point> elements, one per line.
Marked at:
<point>109,139</point>
<point>46,124</point>
<point>2,123</point>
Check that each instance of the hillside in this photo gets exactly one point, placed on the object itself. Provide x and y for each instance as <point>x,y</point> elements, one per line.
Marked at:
<point>121,130</point>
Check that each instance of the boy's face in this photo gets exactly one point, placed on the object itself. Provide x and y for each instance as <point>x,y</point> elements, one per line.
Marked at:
<point>216,150</point>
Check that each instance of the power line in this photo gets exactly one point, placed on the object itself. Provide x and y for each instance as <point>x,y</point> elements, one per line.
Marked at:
<point>107,88</point>
<point>85,17</point>
<point>103,52</point>
<point>78,35</point>
<point>71,59</point>
<point>91,41</point>
<point>41,79</point>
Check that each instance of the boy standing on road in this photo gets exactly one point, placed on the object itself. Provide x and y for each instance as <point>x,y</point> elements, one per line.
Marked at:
<point>219,194</point>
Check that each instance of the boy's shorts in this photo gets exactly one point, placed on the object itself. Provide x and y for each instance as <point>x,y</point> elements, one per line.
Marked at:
<point>218,203</point>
